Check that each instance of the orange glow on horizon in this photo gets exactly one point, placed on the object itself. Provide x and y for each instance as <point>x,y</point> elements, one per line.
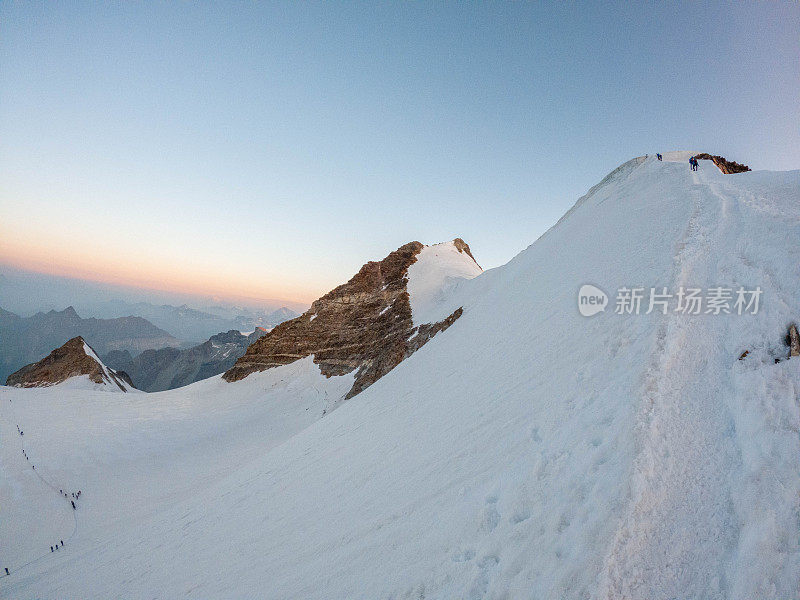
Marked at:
<point>191,279</point>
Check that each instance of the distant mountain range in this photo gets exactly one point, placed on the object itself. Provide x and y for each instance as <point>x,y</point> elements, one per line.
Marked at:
<point>158,329</point>
<point>190,318</point>
<point>27,340</point>
<point>169,368</point>
<point>193,325</point>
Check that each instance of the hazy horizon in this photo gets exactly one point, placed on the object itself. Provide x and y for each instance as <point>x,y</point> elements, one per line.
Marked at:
<point>30,292</point>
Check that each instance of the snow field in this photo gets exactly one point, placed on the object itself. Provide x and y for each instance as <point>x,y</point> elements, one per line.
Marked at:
<point>526,452</point>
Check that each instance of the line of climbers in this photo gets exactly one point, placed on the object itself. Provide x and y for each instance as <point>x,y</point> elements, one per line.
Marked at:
<point>75,496</point>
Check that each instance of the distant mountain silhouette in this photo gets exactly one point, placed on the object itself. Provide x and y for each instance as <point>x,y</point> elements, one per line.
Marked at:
<point>27,340</point>
<point>194,325</point>
<point>168,368</point>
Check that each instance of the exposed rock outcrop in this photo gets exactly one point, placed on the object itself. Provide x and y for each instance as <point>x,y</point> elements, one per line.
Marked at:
<point>726,166</point>
<point>794,341</point>
<point>364,325</point>
<point>462,246</point>
<point>73,359</point>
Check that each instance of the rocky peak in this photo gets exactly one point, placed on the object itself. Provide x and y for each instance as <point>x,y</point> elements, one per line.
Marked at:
<point>73,359</point>
<point>364,325</point>
<point>68,314</point>
<point>232,336</point>
<point>728,167</point>
<point>462,246</point>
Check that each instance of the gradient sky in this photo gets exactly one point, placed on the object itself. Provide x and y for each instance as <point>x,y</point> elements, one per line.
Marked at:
<point>270,149</point>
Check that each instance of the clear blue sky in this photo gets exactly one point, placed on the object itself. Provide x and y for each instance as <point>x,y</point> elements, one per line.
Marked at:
<point>272,148</point>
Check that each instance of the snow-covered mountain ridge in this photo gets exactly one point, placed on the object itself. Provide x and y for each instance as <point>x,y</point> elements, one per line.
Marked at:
<point>538,455</point>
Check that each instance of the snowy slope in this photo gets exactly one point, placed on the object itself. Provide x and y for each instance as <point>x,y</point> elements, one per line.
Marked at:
<point>112,382</point>
<point>541,455</point>
<point>133,455</point>
<point>431,279</point>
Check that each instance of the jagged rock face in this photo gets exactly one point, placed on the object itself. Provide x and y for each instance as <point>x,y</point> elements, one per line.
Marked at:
<point>462,246</point>
<point>169,368</point>
<point>364,325</point>
<point>124,377</point>
<point>726,166</point>
<point>794,341</point>
<point>70,360</point>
